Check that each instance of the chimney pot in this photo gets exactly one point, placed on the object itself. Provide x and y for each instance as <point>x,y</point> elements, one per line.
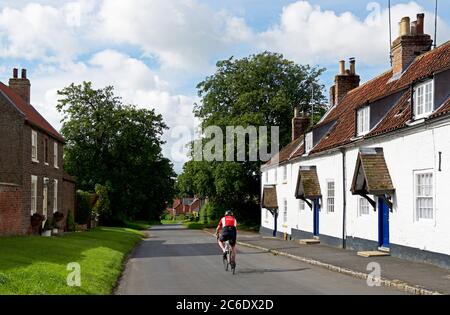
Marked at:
<point>414,28</point>
<point>406,48</point>
<point>342,67</point>
<point>15,73</point>
<point>405,26</point>
<point>352,66</point>
<point>420,24</point>
<point>24,73</point>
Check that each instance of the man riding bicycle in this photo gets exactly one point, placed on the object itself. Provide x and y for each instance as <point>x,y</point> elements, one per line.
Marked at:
<point>228,226</point>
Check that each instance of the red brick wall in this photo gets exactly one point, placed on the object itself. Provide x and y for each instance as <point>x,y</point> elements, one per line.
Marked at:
<point>42,171</point>
<point>68,199</point>
<point>11,212</point>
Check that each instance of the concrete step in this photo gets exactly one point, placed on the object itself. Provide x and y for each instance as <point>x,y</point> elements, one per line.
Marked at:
<point>372,253</point>
<point>311,241</point>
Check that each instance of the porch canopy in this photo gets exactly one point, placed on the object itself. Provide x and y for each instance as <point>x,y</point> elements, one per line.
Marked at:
<point>372,176</point>
<point>269,199</point>
<point>308,186</point>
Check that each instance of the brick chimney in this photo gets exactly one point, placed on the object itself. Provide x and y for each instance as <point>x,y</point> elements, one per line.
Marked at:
<point>344,82</point>
<point>411,43</point>
<point>300,123</point>
<point>21,85</point>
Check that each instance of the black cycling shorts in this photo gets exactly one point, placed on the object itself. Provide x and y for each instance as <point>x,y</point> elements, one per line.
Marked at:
<point>229,234</point>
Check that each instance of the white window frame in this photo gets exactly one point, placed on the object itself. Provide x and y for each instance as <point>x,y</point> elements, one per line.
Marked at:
<point>418,214</point>
<point>266,215</point>
<point>276,175</point>
<point>363,121</point>
<point>301,205</point>
<point>33,191</point>
<point>266,175</point>
<point>34,146</point>
<point>285,210</point>
<point>309,142</point>
<point>55,196</point>
<point>45,196</point>
<point>284,173</point>
<point>331,197</point>
<point>363,207</point>
<point>423,101</point>
<point>55,154</point>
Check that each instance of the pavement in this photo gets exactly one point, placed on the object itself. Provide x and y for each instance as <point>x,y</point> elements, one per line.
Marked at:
<point>177,261</point>
<point>410,277</point>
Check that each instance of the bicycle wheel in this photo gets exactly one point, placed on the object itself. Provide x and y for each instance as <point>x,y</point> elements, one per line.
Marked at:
<point>225,263</point>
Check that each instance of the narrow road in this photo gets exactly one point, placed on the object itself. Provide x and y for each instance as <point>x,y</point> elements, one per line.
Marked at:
<point>177,261</point>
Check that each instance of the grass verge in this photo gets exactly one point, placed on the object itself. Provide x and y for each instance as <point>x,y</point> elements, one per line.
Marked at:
<point>140,225</point>
<point>36,265</point>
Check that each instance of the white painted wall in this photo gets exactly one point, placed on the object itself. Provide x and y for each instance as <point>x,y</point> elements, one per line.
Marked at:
<point>404,153</point>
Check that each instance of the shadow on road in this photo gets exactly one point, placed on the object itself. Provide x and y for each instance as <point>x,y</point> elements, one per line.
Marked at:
<point>156,248</point>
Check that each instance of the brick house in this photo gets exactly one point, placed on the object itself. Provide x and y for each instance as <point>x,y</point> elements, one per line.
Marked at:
<point>373,173</point>
<point>32,177</point>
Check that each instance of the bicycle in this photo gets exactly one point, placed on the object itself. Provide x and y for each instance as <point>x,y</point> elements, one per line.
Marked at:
<point>227,263</point>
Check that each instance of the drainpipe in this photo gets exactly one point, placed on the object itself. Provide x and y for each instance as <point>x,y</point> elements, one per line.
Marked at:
<point>344,203</point>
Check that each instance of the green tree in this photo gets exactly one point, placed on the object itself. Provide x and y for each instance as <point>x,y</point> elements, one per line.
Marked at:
<point>117,145</point>
<point>260,90</point>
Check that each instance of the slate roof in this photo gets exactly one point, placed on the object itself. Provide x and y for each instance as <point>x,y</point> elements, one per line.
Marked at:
<point>269,199</point>
<point>32,116</point>
<point>371,173</point>
<point>308,185</point>
<point>343,131</point>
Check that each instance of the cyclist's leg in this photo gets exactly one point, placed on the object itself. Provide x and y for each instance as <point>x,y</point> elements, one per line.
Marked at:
<point>221,244</point>
<point>233,239</point>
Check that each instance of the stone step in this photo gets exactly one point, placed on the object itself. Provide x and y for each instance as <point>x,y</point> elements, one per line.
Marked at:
<point>372,253</point>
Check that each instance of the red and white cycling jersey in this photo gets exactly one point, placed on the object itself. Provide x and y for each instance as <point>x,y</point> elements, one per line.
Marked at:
<point>227,221</point>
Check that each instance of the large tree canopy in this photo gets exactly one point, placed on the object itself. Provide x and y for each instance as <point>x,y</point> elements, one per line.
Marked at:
<point>260,90</point>
<point>118,146</point>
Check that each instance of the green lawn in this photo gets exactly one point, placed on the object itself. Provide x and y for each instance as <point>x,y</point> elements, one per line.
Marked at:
<point>37,265</point>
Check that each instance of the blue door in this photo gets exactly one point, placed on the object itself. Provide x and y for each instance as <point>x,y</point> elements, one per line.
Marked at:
<point>383,223</point>
<point>316,217</point>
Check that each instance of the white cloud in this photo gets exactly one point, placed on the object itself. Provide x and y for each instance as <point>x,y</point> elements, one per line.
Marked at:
<point>180,33</point>
<point>45,33</point>
<point>309,34</point>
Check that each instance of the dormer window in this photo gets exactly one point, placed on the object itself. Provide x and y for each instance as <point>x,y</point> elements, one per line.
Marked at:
<point>423,99</point>
<point>363,121</point>
<point>308,142</point>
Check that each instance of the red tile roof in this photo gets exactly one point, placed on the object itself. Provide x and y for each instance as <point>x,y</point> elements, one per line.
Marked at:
<point>32,116</point>
<point>343,131</point>
<point>424,66</point>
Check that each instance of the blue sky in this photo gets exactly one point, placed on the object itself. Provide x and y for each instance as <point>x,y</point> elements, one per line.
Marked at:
<point>155,52</point>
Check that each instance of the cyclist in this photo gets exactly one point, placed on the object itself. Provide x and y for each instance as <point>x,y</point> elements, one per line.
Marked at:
<point>228,226</point>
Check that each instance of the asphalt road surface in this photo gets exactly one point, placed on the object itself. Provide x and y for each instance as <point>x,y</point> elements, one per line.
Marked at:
<point>177,261</point>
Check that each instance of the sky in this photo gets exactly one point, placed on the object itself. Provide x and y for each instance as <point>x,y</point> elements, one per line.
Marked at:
<point>155,52</point>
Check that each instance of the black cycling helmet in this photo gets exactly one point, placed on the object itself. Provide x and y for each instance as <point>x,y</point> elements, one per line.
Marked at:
<point>229,212</point>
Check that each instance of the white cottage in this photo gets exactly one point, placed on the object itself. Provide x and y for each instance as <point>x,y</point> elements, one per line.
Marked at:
<point>374,173</point>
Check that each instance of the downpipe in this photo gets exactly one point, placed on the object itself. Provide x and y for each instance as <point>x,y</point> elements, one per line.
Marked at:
<point>344,199</point>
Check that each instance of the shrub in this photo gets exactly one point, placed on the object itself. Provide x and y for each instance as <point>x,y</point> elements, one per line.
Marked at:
<point>102,207</point>
<point>84,207</point>
<point>71,226</point>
